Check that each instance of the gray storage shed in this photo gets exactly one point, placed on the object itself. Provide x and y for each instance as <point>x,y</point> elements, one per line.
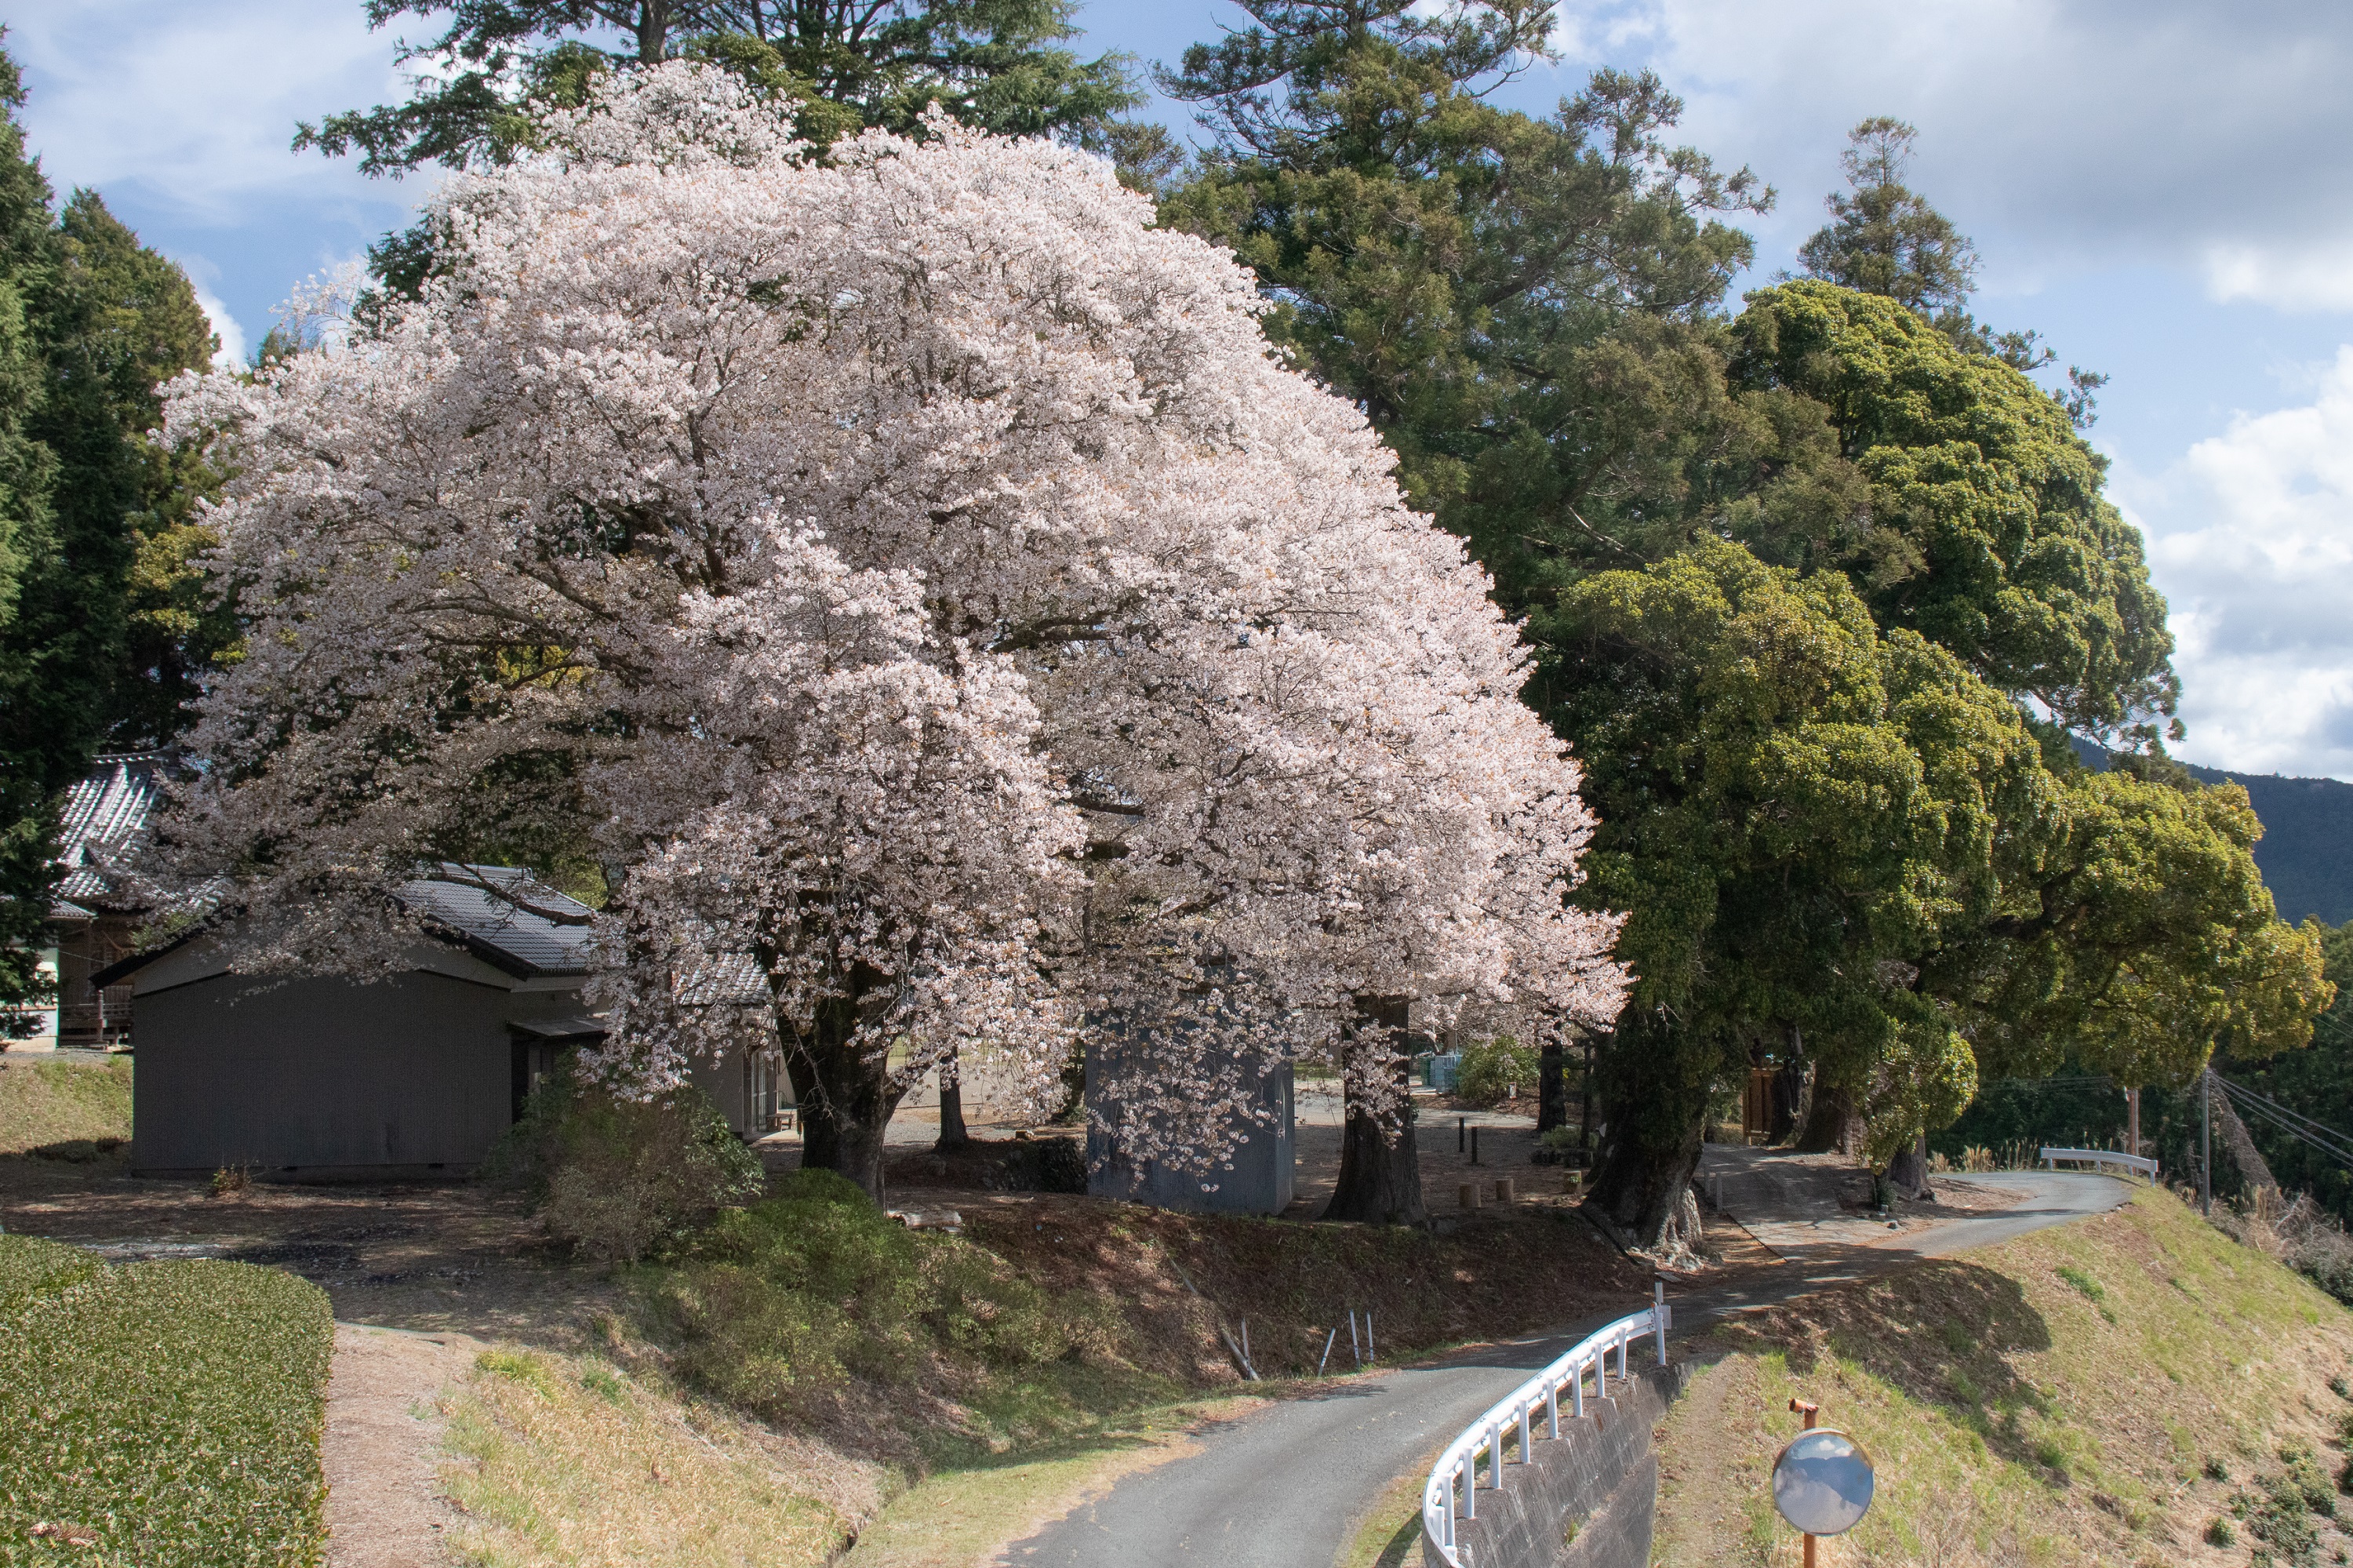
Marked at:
<point>318,1077</point>
<point>1262,1176</point>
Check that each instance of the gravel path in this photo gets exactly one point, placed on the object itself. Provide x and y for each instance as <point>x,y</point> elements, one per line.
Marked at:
<point>1288,1485</point>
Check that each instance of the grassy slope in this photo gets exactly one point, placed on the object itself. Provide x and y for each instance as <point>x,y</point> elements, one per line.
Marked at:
<point>972,1448</point>
<point>57,1103</point>
<point>564,1460</point>
<point>162,1414</point>
<point>2096,1394</point>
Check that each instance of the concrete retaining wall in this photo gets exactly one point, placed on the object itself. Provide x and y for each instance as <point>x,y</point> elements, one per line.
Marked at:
<point>1600,1475</point>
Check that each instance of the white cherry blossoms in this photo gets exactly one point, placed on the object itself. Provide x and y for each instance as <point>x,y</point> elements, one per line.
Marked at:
<point>908,570</point>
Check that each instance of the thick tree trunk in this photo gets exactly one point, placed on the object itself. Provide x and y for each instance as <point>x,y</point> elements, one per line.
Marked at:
<point>1789,1101</point>
<point>1655,1078</point>
<point>1908,1171</point>
<point>1380,1169</point>
<point>952,1132</point>
<point>1552,1089</point>
<point>845,1095</point>
<point>1833,1126</point>
<point>1585,1107</point>
<point>2254,1175</point>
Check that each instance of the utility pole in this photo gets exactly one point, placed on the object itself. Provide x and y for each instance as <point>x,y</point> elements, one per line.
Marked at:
<point>2206,1143</point>
<point>2132,1121</point>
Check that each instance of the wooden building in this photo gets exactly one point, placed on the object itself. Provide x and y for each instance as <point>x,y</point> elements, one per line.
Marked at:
<point>324,1077</point>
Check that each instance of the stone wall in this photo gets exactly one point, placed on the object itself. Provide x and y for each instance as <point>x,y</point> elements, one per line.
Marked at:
<point>1601,1476</point>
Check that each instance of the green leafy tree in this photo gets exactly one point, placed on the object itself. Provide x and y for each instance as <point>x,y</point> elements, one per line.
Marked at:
<point>90,322</point>
<point>1839,839</point>
<point>1448,263</point>
<point>1794,811</point>
<point>1885,238</point>
<point>1985,528</point>
<point>999,63</point>
<point>33,764</point>
<point>120,320</point>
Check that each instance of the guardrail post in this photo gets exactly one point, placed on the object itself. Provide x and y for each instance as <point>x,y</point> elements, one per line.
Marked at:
<point>1526,1411</point>
<point>1578,1399</point>
<point>1470,1485</point>
<point>1552,1411</point>
<point>1658,1316</point>
<point>1495,1456</point>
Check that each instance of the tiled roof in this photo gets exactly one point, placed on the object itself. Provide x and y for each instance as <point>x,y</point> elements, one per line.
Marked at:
<point>105,817</point>
<point>726,980</point>
<point>505,916</point>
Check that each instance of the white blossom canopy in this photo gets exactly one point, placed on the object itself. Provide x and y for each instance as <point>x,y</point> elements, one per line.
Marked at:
<point>911,568</point>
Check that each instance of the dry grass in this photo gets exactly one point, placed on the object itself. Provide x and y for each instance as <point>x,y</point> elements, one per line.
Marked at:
<point>1502,1274</point>
<point>2058,1400</point>
<point>64,1107</point>
<point>964,1518</point>
<point>564,1460</point>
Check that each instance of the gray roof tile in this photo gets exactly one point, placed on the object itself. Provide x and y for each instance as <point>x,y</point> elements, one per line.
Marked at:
<point>505,916</point>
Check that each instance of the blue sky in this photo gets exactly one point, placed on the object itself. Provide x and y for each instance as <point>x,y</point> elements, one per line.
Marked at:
<point>2163,187</point>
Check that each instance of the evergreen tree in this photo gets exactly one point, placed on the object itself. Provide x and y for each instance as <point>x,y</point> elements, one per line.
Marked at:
<point>998,64</point>
<point>89,323</point>
<point>1885,238</point>
<point>1793,578</point>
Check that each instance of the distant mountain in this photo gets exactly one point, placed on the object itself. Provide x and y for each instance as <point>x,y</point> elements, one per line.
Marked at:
<point>2306,852</point>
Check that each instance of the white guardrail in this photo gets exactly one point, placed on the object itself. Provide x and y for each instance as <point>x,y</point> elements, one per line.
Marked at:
<point>2147,1167</point>
<point>1518,1411</point>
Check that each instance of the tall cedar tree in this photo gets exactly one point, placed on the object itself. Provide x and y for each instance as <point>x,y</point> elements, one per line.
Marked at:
<point>1884,238</point>
<point>89,323</point>
<point>995,64</point>
<point>1531,312</point>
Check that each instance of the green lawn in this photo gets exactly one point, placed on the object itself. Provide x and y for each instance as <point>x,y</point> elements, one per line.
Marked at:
<point>159,1414</point>
<point>63,1107</point>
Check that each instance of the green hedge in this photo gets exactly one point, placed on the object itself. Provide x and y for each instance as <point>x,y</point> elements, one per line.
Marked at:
<point>171,1411</point>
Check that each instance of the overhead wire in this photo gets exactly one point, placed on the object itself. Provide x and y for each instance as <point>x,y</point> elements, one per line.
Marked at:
<point>2316,1135</point>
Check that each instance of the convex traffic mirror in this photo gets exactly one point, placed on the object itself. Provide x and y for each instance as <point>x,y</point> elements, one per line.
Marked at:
<point>1823,1482</point>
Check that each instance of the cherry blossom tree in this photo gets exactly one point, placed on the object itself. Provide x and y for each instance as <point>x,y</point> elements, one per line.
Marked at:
<point>906,570</point>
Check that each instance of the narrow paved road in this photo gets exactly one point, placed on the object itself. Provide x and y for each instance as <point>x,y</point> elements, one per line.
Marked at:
<point>1288,1485</point>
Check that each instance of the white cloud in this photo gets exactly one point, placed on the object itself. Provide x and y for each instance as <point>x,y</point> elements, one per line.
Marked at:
<point>197,104</point>
<point>2060,134</point>
<point>2315,278</point>
<point>225,326</point>
<point>2251,537</point>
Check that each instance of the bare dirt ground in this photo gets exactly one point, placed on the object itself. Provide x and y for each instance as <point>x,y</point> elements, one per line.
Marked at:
<point>1795,1204</point>
<point>429,1258</point>
<point>385,1508</point>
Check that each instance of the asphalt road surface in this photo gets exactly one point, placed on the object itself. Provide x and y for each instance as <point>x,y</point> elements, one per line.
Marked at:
<point>1288,1485</point>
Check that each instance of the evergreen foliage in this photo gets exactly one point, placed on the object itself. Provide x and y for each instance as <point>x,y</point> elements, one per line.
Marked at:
<point>998,64</point>
<point>162,1412</point>
<point>91,321</point>
<point>1817,590</point>
<point>1984,529</point>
